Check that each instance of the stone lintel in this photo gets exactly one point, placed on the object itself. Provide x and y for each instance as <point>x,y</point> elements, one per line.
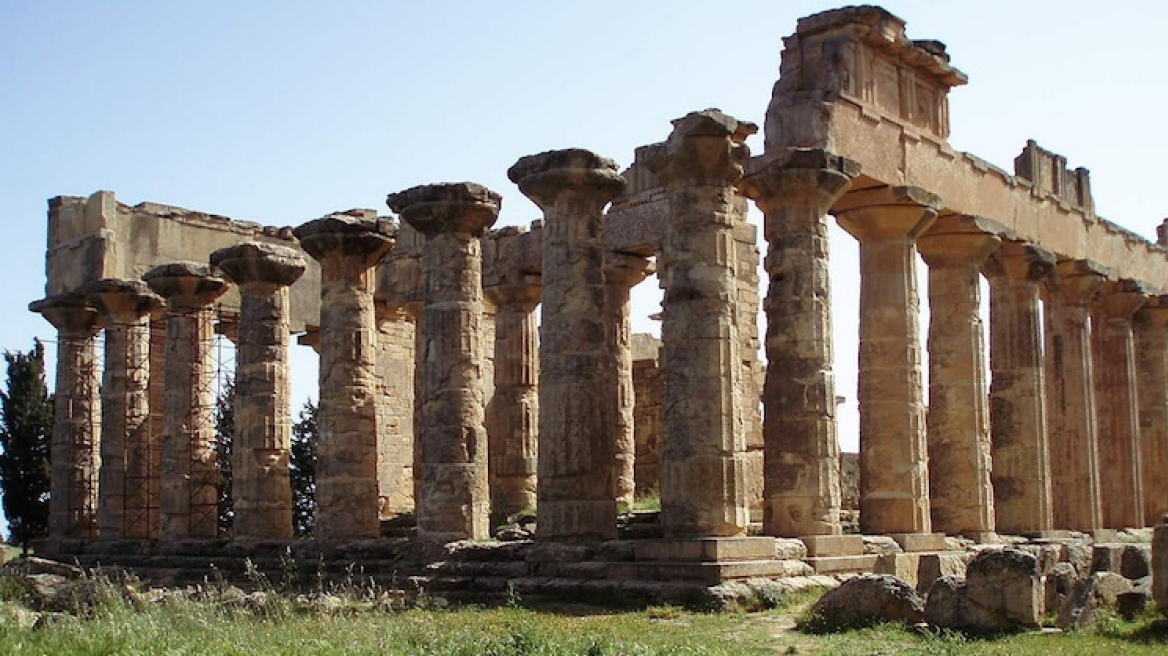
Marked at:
<point>260,262</point>
<point>356,233</point>
<point>920,541</point>
<point>886,212</point>
<point>705,549</point>
<point>545,176</point>
<point>834,545</point>
<point>185,285</point>
<point>456,207</point>
<point>71,314</point>
<point>121,301</point>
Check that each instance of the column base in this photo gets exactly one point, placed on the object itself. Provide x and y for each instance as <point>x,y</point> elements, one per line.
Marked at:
<point>834,545</point>
<point>920,541</point>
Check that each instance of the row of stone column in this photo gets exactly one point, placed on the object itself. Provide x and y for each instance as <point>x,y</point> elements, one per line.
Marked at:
<point>1026,458</point>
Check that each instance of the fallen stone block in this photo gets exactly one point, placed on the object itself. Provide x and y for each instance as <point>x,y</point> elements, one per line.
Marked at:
<point>867,600</point>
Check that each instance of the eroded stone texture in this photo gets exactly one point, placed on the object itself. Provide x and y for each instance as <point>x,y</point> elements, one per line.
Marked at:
<point>1073,429</point>
<point>1113,347</point>
<point>261,493</point>
<point>347,245</point>
<point>960,491</point>
<point>189,487</point>
<point>577,444</point>
<point>794,190</point>
<point>74,450</point>
<point>512,417</point>
<point>1018,423</point>
<point>703,486</point>
<point>621,274</point>
<point>397,334</point>
<point>894,493</point>
<point>126,508</point>
<point>451,473</point>
<point>1151,334</point>
<point>649,389</point>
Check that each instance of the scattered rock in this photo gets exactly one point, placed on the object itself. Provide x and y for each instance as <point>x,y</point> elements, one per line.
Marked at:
<point>866,600</point>
<point>1136,561</point>
<point>1131,603</point>
<point>880,545</point>
<point>1000,593</point>
<point>790,549</point>
<point>1090,595</point>
<point>1058,584</point>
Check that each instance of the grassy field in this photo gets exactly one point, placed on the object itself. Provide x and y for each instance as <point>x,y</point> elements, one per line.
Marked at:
<point>189,627</point>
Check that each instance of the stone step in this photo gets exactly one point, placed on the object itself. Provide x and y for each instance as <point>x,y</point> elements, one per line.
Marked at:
<point>707,573</point>
<point>705,549</point>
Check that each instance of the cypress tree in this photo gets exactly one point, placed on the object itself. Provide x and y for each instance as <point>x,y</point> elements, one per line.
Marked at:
<point>26,414</point>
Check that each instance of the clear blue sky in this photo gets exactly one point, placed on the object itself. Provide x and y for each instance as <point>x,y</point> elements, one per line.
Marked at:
<point>280,112</point>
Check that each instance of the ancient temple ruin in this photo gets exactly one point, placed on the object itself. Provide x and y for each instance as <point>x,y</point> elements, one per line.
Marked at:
<point>441,395</point>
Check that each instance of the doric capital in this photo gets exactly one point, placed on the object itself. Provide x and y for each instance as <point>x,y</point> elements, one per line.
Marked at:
<point>624,270</point>
<point>260,262</point>
<point>355,233</point>
<point>1154,314</point>
<point>71,314</point>
<point>1077,281</point>
<point>960,240</point>
<point>121,301</point>
<point>1120,299</point>
<point>185,285</point>
<point>880,213</point>
<point>705,148</point>
<point>798,177</point>
<point>545,177</point>
<point>457,207</point>
<point>519,297</point>
<point>1017,263</point>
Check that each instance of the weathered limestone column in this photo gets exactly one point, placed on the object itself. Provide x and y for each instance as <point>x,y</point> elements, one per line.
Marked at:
<point>703,486</point>
<point>452,496</point>
<point>512,418</point>
<point>1113,348</point>
<point>894,484</point>
<point>1073,428</point>
<point>125,508</point>
<point>1151,334</point>
<point>189,496</point>
<point>1018,424</point>
<point>958,423</point>
<point>577,444</point>
<point>261,492</point>
<point>794,190</point>
<point>621,273</point>
<point>396,326</point>
<point>76,420</point>
<point>347,246</point>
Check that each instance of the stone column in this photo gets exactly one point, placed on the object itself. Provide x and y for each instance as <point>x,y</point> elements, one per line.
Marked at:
<point>76,420</point>
<point>395,366</point>
<point>621,273</point>
<point>125,506</point>
<point>794,190</point>
<point>347,246</point>
<point>894,485</point>
<point>703,483</point>
<point>1113,348</point>
<point>189,496</point>
<point>452,495</point>
<point>261,492</point>
<point>958,422</point>
<point>577,445</point>
<point>1151,334</point>
<point>1073,428</point>
<point>512,417</point>
<point>1018,424</point>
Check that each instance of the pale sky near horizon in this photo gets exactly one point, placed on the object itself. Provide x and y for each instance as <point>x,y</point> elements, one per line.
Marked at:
<point>280,112</point>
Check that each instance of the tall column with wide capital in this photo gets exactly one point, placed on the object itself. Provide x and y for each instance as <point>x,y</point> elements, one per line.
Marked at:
<point>512,417</point>
<point>260,489</point>
<point>958,423</point>
<point>1018,425</point>
<point>1073,427</point>
<point>1151,333</point>
<point>189,496</point>
<point>347,246</point>
<point>801,492</point>
<point>894,484</point>
<point>77,420</point>
<point>703,482</point>
<point>577,446</point>
<point>125,506</point>
<point>452,496</point>
<point>1117,405</point>
<point>621,273</point>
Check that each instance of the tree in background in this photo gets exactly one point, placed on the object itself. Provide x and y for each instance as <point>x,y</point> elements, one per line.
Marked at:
<point>224,438</point>
<point>302,470</point>
<point>26,434</point>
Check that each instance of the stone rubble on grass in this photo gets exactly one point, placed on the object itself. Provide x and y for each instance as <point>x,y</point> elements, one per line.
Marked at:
<point>866,600</point>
